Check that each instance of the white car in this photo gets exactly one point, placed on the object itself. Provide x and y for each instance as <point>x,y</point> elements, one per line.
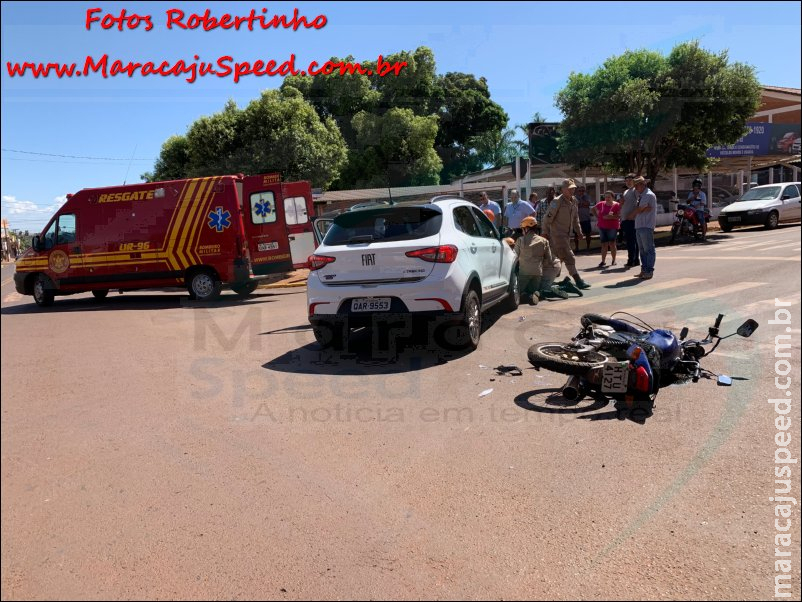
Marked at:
<point>763,205</point>
<point>442,260</point>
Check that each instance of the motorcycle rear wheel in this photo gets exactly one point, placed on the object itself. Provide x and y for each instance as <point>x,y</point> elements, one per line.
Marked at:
<point>566,359</point>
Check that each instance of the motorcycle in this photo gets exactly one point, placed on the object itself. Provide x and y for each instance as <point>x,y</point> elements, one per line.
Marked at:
<point>629,362</point>
<point>687,224</point>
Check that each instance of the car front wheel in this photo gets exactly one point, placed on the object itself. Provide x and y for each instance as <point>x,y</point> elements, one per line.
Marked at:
<point>772,220</point>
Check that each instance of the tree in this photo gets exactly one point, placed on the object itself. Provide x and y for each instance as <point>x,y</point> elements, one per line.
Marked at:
<point>279,131</point>
<point>495,148</point>
<point>394,149</point>
<point>460,101</point>
<point>466,113</point>
<point>644,112</point>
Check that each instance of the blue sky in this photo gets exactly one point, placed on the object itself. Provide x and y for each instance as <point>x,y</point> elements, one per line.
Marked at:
<point>525,51</point>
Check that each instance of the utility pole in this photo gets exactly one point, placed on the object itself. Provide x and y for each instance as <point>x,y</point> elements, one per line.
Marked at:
<point>5,240</point>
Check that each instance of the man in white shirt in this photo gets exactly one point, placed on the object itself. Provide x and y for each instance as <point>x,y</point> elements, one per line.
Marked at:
<point>486,203</point>
<point>515,211</point>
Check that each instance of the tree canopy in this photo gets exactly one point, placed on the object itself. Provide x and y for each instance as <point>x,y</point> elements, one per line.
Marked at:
<point>645,112</point>
<point>279,131</point>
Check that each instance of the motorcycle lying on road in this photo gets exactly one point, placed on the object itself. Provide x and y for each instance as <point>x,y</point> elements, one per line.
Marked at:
<point>687,225</point>
<point>628,363</point>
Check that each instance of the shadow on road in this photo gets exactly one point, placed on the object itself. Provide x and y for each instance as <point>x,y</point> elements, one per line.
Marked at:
<point>138,302</point>
<point>551,401</point>
<point>383,349</point>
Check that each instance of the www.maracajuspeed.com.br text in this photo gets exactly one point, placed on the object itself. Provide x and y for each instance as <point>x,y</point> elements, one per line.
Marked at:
<point>225,66</point>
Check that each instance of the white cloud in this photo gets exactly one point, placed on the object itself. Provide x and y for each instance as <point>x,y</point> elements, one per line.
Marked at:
<point>23,214</point>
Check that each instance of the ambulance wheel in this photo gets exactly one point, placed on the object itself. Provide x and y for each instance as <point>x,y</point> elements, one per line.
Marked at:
<point>43,293</point>
<point>204,286</point>
<point>243,290</point>
<point>100,294</point>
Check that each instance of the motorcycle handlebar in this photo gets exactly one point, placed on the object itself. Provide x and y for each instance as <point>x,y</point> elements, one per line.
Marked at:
<point>718,320</point>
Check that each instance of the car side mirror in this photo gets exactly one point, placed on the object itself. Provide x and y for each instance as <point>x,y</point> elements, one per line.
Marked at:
<point>36,243</point>
<point>747,328</point>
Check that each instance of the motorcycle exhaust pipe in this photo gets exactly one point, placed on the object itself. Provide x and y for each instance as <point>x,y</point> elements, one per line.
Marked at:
<point>572,389</point>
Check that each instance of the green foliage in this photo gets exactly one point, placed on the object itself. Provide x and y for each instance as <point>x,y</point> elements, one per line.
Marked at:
<point>460,101</point>
<point>280,131</point>
<point>644,112</point>
<point>394,149</point>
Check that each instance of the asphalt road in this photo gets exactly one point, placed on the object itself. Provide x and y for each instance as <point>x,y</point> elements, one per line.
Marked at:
<point>154,447</point>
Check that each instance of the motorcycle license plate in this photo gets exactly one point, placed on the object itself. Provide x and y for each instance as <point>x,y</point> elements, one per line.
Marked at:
<point>368,304</point>
<point>614,377</point>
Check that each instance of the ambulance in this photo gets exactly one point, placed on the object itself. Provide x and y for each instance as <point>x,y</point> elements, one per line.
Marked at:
<point>204,234</point>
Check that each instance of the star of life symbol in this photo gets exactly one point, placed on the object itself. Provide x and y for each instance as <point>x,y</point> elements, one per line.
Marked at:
<point>264,208</point>
<point>219,219</point>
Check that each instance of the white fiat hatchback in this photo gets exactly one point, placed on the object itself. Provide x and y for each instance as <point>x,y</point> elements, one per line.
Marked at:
<point>441,260</point>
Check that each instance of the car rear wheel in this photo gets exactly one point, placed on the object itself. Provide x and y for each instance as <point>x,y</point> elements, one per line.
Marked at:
<point>464,332</point>
<point>725,227</point>
<point>100,294</point>
<point>329,336</point>
<point>243,290</point>
<point>772,220</point>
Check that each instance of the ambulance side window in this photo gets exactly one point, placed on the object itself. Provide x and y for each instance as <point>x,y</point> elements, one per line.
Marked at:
<point>263,208</point>
<point>50,236</point>
<point>66,229</point>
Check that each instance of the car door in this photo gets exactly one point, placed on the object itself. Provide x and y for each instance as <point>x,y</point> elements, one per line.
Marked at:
<point>790,199</point>
<point>494,246</point>
<point>475,246</point>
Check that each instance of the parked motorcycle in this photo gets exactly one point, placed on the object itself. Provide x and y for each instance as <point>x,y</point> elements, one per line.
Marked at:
<point>687,225</point>
<point>629,361</point>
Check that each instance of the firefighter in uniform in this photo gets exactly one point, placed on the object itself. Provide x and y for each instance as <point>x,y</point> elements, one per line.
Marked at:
<point>561,218</point>
<point>533,256</point>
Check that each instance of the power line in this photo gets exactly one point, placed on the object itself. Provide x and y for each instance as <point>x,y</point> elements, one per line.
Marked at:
<point>11,150</point>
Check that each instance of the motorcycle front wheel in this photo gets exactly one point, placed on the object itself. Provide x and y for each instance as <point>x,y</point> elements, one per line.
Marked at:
<point>566,359</point>
<point>674,231</point>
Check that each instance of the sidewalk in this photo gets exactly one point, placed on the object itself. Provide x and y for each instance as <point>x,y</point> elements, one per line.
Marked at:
<point>292,279</point>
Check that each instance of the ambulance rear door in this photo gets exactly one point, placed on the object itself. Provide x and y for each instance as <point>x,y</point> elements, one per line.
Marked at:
<point>265,226</point>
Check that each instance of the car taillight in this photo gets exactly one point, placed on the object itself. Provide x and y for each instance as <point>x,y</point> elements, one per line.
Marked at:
<point>318,261</point>
<point>441,254</point>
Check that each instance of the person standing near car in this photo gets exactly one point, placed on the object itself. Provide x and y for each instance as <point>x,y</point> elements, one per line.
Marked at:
<point>697,199</point>
<point>561,218</point>
<point>645,214</point>
<point>485,203</point>
<point>628,221</point>
<point>515,211</point>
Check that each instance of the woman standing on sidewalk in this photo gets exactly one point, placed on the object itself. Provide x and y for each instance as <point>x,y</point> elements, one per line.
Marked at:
<point>608,214</point>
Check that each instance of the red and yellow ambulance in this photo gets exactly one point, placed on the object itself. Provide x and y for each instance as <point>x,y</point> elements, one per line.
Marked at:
<point>201,233</point>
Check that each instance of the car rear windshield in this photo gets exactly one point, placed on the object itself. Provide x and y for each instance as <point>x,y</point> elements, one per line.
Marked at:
<point>761,194</point>
<point>385,224</point>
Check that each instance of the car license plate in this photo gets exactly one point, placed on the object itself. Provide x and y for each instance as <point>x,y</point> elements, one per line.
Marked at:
<point>614,377</point>
<point>733,219</point>
<point>267,246</point>
<point>370,304</point>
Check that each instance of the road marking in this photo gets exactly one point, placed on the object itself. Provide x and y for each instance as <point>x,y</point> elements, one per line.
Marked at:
<point>6,281</point>
<point>716,257</point>
<point>628,291</point>
<point>12,298</point>
<point>775,247</point>
<point>708,294</point>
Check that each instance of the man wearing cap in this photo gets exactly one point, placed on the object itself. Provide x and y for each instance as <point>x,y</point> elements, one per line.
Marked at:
<point>515,211</point>
<point>534,254</point>
<point>561,218</point>
<point>645,213</point>
<point>628,221</point>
